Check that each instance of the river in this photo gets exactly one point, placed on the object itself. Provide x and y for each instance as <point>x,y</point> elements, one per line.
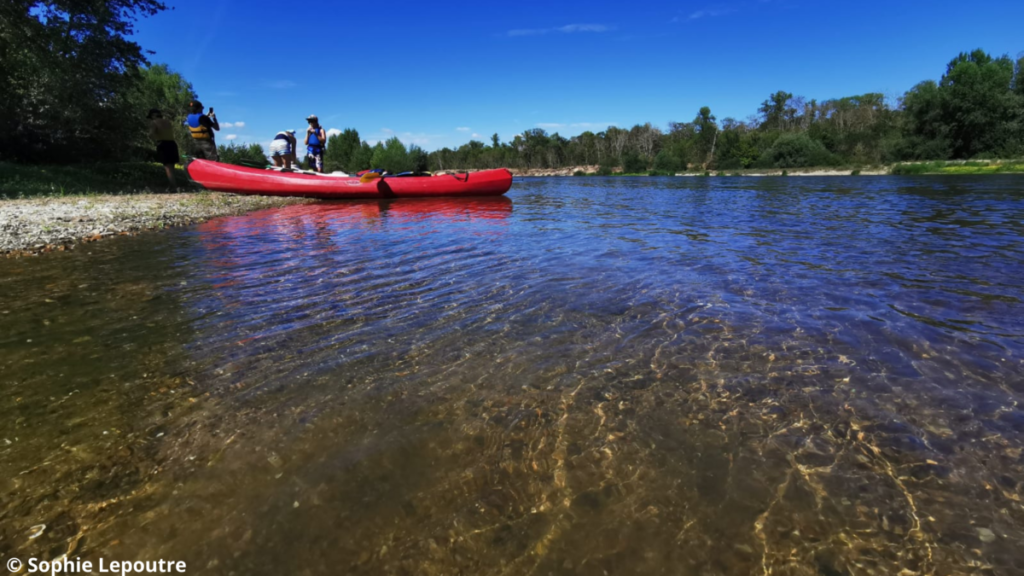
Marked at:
<point>588,376</point>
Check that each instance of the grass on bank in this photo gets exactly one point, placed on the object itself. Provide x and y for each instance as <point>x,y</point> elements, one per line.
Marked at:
<point>29,181</point>
<point>972,167</point>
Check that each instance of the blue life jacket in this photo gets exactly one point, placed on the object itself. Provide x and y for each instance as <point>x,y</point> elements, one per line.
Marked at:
<point>199,132</point>
<point>314,139</point>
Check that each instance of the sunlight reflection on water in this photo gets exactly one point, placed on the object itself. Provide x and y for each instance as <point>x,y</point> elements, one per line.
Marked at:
<point>622,376</point>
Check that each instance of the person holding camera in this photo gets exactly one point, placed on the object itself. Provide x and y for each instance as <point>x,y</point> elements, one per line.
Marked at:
<point>201,127</point>
<point>316,140</point>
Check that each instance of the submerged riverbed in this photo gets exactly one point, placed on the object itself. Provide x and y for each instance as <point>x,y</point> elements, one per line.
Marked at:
<point>591,376</point>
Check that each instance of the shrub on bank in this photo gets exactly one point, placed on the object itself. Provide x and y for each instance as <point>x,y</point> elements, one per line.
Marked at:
<point>23,181</point>
<point>796,150</point>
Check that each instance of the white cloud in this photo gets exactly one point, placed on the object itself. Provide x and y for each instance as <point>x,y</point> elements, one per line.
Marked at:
<point>475,135</point>
<point>239,124</point>
<point>534,32</point>
<point>567,29</point>
<point>462,129</point>
<point>710,13</point>
<point>333,132</point>
<point>231,137</point>
<point>592,124</point>
<point>387,130</point>
<point>583,125</point>
<point>226,125</point>
<point>279,84</point>
<point>570,28</point>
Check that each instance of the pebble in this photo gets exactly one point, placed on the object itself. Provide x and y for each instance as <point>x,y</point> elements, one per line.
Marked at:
<point>36,225</point>
<point>986,535</point>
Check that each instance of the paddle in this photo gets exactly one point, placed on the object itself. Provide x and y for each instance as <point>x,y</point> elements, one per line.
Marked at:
<point>252,163</point>
<point>369,177</point>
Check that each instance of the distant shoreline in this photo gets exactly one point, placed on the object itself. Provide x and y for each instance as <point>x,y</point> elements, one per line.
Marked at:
<point>952,167</point>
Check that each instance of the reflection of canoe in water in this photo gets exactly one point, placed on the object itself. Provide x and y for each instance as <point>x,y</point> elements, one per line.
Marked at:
<point>242,180</point>
<point>441,210</point>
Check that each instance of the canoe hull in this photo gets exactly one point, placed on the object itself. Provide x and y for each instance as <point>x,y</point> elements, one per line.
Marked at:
<point>242,180</point>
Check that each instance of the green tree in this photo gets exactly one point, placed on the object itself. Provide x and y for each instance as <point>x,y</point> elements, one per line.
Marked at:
<point>161,88</point>
<point>392,156</point>
<point>241,154</point>
<point>341,152</point>
<point>776,111</point>
<point>66,70</point>
<point>705,124</point>
<point>978,104</point>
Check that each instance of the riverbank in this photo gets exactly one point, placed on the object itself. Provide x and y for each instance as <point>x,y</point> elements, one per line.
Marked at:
<point>53,223</point>
<point>969,167</point>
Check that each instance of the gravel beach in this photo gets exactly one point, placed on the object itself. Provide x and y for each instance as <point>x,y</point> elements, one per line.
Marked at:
<point>36,225</point>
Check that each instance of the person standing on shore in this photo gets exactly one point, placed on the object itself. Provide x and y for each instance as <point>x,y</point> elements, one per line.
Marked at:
<point>161,132</point>
<point>282,149</point>
<point>202,126</point>
<point>316,139</point>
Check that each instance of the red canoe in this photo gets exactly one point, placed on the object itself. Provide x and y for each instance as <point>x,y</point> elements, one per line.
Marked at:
<point>242,180</point>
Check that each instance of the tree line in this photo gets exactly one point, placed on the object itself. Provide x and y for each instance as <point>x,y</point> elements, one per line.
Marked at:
<point>73,88</point>
<point>976,110</point>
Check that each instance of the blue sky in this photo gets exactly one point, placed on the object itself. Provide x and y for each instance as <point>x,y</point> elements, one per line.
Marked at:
<point>438,73</point>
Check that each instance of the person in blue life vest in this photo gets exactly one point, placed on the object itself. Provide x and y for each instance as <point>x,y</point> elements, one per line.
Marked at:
<point>316,140</point>
<point>282,149</point>
<point>201,126</point>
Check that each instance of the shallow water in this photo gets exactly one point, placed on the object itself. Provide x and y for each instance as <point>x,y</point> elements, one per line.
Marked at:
<point>591,376</point>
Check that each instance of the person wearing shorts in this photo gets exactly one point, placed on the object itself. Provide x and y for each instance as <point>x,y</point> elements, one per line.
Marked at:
<point>161,132</point>
<point>282,149</point>
<point>316,140</point>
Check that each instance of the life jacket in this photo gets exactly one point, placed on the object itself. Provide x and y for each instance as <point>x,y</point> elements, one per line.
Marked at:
<point>314,139</point>
<point>199,132</point>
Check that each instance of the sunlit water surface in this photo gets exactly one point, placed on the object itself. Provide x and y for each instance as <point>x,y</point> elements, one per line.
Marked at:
<point>591,376</point>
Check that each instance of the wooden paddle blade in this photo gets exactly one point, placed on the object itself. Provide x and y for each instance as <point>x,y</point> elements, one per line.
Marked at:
<point>368,177</point>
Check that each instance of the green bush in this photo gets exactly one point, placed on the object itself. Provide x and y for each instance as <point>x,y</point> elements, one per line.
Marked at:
<point>604,170</point>
<point>796,151</point>
<point>633,163</point>
<point>666,162</point>
<point>579,173</point>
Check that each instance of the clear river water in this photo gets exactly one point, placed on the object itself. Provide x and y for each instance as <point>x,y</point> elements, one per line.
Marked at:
<point>685,376</point>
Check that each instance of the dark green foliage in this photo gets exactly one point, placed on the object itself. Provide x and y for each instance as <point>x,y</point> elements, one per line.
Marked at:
<point>159,87</point>
<point>67,72</point>
<point>632,163</point>
<point>795,150</point>
<point>343,152</point>
<point>604,171</point>
<point>20,180</point>
<point>392,156</point>
<point>665,161</point>
<point>242,155</point>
